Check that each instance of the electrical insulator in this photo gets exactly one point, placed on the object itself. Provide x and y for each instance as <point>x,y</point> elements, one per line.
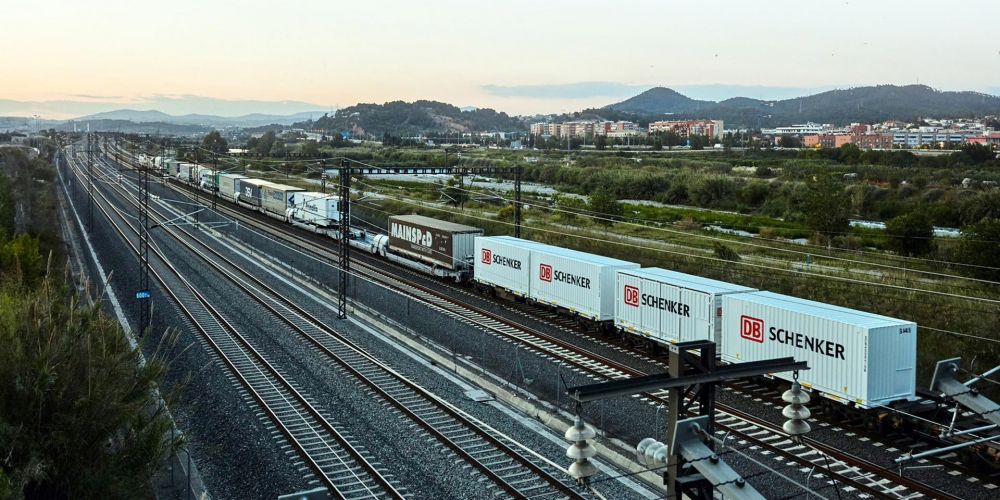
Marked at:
<point>581,450</point>
<point>652,453</point>
<point>796,412</point>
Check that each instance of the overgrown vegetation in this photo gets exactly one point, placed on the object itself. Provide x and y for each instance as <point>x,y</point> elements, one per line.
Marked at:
<point>78,414</point>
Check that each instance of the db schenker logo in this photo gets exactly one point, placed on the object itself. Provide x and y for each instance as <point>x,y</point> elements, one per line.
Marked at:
<point>545,272</point>
<point>631,296</point>
<point>487,256</point>
<point>752,329</point>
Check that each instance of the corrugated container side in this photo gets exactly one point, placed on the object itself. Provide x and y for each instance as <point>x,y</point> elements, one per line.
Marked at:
<point>433,241</point>
<point>274,197</point>
<point>580,282</point>
<point>851,356</point>
<point>250,190</point>
<point>227,184</point>
<point>503,263</point>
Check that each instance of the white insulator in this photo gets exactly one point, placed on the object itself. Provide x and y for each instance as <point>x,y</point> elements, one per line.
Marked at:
<point>796,412</point>
<point>580,431</point>
<point>651,452</point>
<point>795,395</point>
<point>640,449</point>
<point>581,450</point>
<point>661,456</point>
<point>796,427</point>
<point>580,470</point>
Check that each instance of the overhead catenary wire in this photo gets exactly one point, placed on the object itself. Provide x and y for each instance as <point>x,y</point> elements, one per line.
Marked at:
<point>607,218</point>
<point>807,273</point>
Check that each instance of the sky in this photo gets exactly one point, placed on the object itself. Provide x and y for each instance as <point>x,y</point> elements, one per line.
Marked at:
<point>521,57</point>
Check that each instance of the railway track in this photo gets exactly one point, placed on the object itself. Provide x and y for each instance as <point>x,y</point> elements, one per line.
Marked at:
<point>342,467</point>
<point>490,452</point>
<point>850,471</point>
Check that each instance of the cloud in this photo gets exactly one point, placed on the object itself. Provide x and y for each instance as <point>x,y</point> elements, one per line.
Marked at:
<point>98,97</point>
<point>578,90</point>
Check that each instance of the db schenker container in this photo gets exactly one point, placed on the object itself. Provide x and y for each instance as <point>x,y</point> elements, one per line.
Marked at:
<point>502,261</point>
<point>579,282</point>
<point>854,356</point>
<point>433,241</point>
<point>315,208</point>
<point>275,197</point>
<point>228,185</point>
<point>669,306</point>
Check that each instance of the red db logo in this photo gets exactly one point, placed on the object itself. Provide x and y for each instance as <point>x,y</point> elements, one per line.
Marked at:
<point>487,256</point>
<point>545,272</point>
<point>631,296</point>
<point>752,329</point>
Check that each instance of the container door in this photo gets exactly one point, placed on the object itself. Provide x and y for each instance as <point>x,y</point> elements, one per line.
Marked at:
<point>695,310</point>
<point>670,324</point>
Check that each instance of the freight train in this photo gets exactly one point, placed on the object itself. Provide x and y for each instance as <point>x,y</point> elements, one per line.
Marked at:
<point>857,358</point>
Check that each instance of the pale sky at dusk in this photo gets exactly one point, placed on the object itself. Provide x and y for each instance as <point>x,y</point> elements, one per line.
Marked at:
<point>498,54</point>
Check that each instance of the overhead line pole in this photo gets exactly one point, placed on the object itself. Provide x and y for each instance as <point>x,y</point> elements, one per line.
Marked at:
<point>345,235</point>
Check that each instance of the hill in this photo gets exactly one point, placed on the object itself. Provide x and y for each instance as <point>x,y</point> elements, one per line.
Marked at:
<point>658,101</point>
<point>841,106</point>
<point>150,116</point>
<point>407,119</point>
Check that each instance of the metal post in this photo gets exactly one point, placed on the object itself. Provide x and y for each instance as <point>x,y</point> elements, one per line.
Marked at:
<point>517,201</point>
<point>144,297</point>
<point>90,182</point>
<point>215,174</point>
<point>345,235</point>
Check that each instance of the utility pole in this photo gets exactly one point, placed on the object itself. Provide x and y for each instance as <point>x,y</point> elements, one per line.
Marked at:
<point>345,235</point>
<point>143,293</point>
<point>517,201</point>
<point>215,172</point>
<point>90,182</point>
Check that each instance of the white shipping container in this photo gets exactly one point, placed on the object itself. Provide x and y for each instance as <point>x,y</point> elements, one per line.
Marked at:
<point>503,261</point>
<point>184,171</point>
<point>853,356</point>
<point>228,185</point>
<point>580,282</point>
<point>669,306</point>
<point>316,208</point>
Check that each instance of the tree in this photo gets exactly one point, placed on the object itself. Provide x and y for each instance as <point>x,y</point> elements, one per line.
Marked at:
<point>980,246</point>
<point>265,143</point>
<point>506,213</point>
<point>606,206</point>
<point>601,142</point>
<point>671,139</point>
<point>214,142</point>
<point>724,252</point>
<point>827,206</point>
<point>77,418</point>
<point>7,210</point>
<point>910,234</point>
<point>310,149</point>
<point>789,141</point>
<point>278,149</point>
<point>454,194</point>
<point>977,153</point>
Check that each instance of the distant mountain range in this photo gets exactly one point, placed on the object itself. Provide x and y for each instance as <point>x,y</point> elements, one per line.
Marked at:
<point>842,106</point>
<point>249,120</point>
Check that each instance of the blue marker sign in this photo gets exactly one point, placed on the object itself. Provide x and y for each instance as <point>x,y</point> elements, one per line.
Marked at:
<point>142,294</point>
